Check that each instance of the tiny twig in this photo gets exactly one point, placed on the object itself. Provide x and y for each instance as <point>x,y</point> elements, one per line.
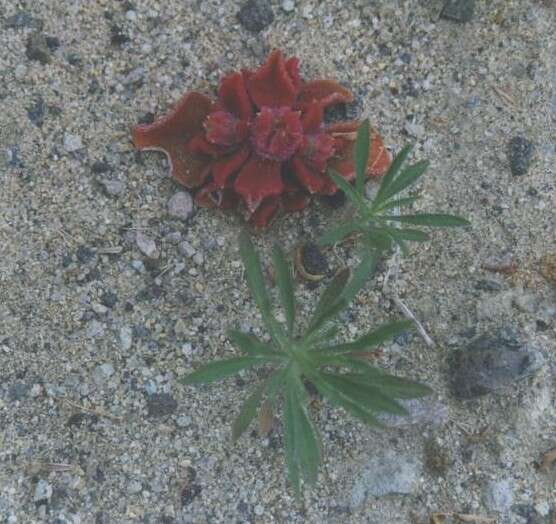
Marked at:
<point>409,314</point>
<point>109,250</point>
<point>38,466</point>
<point>93,411</point>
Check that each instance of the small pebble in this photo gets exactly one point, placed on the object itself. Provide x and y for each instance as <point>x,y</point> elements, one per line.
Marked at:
<point>146,245</point>
<point>458,10</point>
<point>99,309</point>
<point>20,71</point>
<point>103,372</point>
<point>43,491</point>
<point>37,48</point>
<point>180,205</point>
<point>255,15</point>
<point>185,248</point>
<point>520,154</point>
<point>112,187</point>
<point>126,337</point>
<point>72,143</point>
<point>288,5</point>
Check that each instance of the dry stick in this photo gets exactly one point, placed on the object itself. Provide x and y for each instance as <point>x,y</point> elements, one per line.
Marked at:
<point>93,411</point>
<point>394,269</point>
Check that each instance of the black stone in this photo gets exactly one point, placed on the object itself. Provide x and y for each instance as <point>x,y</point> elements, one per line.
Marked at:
<point>161,405</point>
<point>36,112</point>
<point>99,167</point>
<point>118,37</point>
<point>84,254</point>
<point>488,285</point>
<point>520,154</point>
<point>458,10</point>
<point>313,260</point>
<point>109,299</point>
<point>255,15</point>
<point>37,48</point>
<point>490,364</point>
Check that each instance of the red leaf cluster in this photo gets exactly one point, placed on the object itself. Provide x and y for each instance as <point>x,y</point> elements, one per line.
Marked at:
<point>263,143</point>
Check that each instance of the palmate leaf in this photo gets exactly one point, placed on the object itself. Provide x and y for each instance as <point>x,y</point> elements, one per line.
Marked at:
<point>284,280</point>
<point>397,203</point>
<point>224,368</point>
<point>341,232</point>
<point>300,438</point>
<point>330,301</point>
<point>406,178</point>
<point>395,387</point>
<point>356,199</point>
<point>370,340</point>
<point>360,275</point>
<point>362,148</point>
<point>431,220</point>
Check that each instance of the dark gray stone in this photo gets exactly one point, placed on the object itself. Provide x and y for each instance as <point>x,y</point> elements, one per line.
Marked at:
<point>18,391</point>
<point>22,19</point>
<point>37,48</point>
<point>490,364</point>
<point>36,112</point>
<point>458,10</point>
<point>520,154</point>
<point>255,15</point>
<point>161,405</point>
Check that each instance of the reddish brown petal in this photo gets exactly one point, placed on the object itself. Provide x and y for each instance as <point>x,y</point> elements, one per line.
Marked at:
<point>265,212</point>
<point>257,180</point>
<point>327,92</point>
<point>170,134</point>
<point>345,134</point>
<point>200,146</point>
<point>311,180</point>
<point>233,96</point>
<point>271,85</point>
<point>212,196</point>
<point>312,118</point>
<point>223,168</point>
<point>294,201</point>
<point>292,67</point>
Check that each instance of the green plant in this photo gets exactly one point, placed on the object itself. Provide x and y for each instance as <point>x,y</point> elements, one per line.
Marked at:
<point>336,370</point>
<point>377,227</point>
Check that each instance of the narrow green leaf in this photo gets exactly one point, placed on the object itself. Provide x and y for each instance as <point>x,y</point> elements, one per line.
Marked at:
<point>432,220</point>
<point>371,339</point>
<point>284,280</point>
<point>407,177</point>
<point>340,232</point>
<point>356,199</point>
<point>256,284</point>
<point>338,398</point>
<point>249,344</point>
<point>330,298</point>
<point>360,276</point>
<point>388,178</point>
<point>375,239</point>
<point>397,202</point>
<point>362,148</point>
<point>222,369</point>
<point>395,387</point>
<point>247,412</point>
<point>365,395</point>
<point>301,441</point>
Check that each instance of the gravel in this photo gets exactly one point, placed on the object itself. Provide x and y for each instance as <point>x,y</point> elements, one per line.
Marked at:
<point>68,239</point>
<point>520,154</point>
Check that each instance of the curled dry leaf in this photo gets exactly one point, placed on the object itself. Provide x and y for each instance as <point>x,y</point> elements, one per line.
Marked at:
<point>547,460</point>
<point>310,262</point>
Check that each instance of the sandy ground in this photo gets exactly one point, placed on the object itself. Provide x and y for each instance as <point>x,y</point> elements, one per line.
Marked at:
<point>94,426</point>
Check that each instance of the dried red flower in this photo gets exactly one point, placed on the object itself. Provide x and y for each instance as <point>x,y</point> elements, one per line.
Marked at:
<point>263,142</point>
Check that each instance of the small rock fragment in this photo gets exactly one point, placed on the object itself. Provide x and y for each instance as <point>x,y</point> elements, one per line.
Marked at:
<point>72,143</point>
<point>255,15</point>
<point>491,364</point>
<point>161,404</point>
<point>103,372</point>
<point>22,19</point>
<point>112,187</point>
<point>43,491</point>
<point>146,245</point>
<point>548,267</point>
<point>37,48</point>
<point>387,473</point>
<point>180,205</point>
<point>126,337</point>
<point>288,5</point>
<point>458,10</point>
<point>499,495</point>
<point>520,154</point>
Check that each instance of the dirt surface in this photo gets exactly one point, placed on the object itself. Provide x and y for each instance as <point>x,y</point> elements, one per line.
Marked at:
<point>94,426</point>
